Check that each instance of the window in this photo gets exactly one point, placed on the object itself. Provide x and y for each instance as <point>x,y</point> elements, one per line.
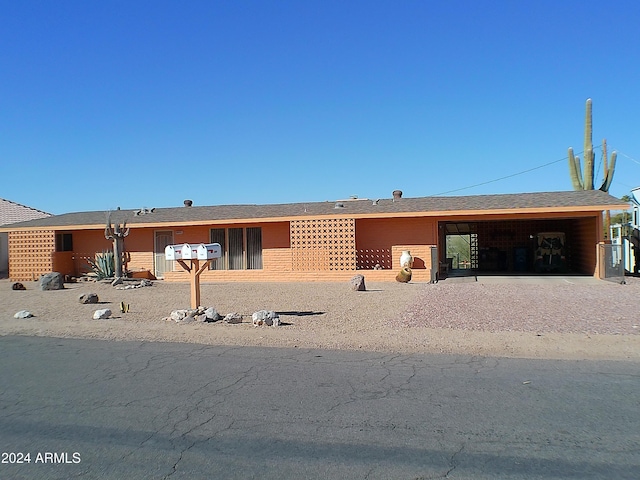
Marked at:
<point>254,248</point>
<point>241,248</point>
<point>218,236</point>
<point>64,242</point>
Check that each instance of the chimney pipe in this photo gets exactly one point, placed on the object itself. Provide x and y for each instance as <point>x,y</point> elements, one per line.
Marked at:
<point>397,194</point>
<point>188,203</point>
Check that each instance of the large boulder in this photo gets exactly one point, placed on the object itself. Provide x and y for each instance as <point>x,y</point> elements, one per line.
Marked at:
<point>52,281</point>
<point>357,283</point>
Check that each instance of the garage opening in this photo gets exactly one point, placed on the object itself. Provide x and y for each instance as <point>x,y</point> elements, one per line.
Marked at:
<point>461,241</point>
<point>513,246</point>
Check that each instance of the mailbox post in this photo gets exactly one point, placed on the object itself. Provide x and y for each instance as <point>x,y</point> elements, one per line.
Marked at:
<point>194,254</point>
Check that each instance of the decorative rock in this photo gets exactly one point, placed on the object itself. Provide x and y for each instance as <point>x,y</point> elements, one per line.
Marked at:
<point>101,314</point>
<point>212,315</point>
<point>404,276</point>
<point>179,315</point>
<point>52,281</point>
<point>357,283</point>
<point>143,283</point>
<point>23,314</point>
<point>18,286</point>
<point>232,318</point>
<point>265,317</point>
<point>88,298</point>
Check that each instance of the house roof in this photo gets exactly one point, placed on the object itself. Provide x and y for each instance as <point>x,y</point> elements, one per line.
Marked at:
<point>570,201</point>
<point>11,212</point>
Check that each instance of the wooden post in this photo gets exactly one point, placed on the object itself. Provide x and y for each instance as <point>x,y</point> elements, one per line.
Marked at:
<point>195,284</point>
<point>195,269</point>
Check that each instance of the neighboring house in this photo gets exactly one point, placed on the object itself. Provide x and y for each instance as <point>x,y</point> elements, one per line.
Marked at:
<point>326,241</point>
<point>628,235</point>
<point>11,212</point>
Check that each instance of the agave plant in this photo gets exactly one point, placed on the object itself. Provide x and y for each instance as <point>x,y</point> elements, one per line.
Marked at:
<point>104,265</point>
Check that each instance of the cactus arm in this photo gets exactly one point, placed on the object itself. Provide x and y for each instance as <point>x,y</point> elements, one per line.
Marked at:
<point>108,230</point>
<point>588,124</point>
<point>575,170</point>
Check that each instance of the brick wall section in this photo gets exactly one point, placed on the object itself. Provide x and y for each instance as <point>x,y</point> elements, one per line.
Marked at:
<point>277,268</point>
<point>30,254</point>
<point>421,256</point>
<point>215,276</point>
<point>140,261</point>
<point>277,260</point>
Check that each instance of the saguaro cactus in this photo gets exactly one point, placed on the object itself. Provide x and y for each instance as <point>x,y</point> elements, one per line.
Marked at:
<point>584,181</point>
<point>116,234</point>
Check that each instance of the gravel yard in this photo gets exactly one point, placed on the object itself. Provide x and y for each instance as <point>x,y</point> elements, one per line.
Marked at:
<point>512,318</point>
<point>603,308</point>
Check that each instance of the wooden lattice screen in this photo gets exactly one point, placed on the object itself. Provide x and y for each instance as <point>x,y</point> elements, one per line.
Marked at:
<point>323,244</point>
<point>30,254</point>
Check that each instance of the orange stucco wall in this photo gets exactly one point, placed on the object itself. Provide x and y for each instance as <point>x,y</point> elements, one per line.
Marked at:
<point>380,242</point>
<point>377,242</point>
<point>386,232</point>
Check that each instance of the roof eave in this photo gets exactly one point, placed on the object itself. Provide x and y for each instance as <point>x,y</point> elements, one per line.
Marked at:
<point>428,213</point>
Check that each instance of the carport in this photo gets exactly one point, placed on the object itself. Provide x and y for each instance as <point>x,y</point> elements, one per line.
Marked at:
<point>508,246</point>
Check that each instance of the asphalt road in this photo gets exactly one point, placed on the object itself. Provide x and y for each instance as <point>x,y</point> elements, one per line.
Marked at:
<point>114,410</point>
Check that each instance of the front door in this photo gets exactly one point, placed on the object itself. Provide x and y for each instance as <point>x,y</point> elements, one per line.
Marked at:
<point>161,265</point>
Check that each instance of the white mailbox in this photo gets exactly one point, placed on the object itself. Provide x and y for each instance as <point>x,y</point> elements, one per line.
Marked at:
<point>189,252</point>
<point>173,252</point>
<point>209,251</point>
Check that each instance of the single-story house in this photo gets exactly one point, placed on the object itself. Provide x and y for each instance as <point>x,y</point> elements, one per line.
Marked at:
<point>325,241</point>
<point>11,212</point>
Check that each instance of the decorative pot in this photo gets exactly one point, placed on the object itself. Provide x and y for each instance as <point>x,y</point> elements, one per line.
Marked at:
<point>404,276</point>
<point>406,260</point>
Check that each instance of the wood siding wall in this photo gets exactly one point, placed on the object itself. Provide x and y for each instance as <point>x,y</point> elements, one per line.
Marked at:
<point>583,254</point>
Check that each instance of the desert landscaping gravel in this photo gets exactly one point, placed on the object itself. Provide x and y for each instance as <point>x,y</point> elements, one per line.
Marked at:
<point>605,308</point>
<point>594,320</point>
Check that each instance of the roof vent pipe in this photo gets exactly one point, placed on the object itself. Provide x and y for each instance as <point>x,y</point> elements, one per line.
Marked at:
<point>397,194</point>
<point>188,203</point>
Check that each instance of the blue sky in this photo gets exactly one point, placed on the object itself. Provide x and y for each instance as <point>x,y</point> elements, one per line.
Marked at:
<point>147,103</point>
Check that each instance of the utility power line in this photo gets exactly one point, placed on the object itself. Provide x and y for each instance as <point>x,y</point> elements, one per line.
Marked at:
<point>564,159</point>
